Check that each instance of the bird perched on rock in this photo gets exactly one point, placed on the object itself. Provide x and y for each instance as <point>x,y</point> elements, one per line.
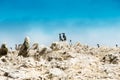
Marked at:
<point>24,48</point>
<point>60,37</point>
<point>116,45</point>
<point>64,37</point>
<point>98,45</point>
<point>3,50</point>
<point>70,43</point>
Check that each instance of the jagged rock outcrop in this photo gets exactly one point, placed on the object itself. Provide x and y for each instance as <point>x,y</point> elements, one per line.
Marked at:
<point>3,50</point>
<point>62,62</point>
<point>59,45</point>
<point>37,51</point>
<point>24,48</point>
<point>112,58</point>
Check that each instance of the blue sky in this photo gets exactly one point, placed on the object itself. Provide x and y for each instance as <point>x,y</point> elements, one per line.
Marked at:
<point>87,21</point>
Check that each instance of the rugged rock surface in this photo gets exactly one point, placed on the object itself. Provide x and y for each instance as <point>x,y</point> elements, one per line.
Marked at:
<point>62,61</point>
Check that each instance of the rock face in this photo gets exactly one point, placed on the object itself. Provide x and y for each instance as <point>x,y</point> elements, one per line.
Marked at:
<point>111,58</point>
<point>59,45</point>
<point>61,61</point>
<point>24,48</point>
<point>3,50</point>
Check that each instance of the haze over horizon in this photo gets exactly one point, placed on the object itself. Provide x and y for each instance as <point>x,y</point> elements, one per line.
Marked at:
<point>87,21</point>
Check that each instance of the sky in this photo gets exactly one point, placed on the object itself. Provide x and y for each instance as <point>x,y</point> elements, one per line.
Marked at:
<point>87,21</point>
